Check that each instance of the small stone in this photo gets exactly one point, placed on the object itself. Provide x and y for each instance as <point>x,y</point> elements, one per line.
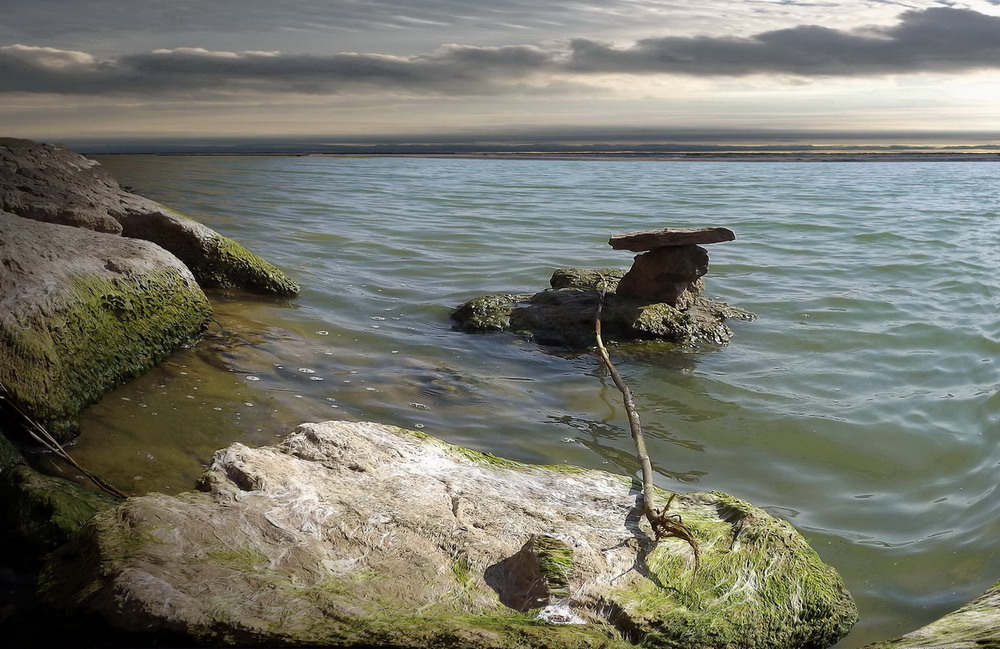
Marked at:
<point>650,239</point>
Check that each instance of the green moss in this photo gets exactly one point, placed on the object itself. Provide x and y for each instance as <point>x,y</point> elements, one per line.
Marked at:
<point>487,313</point>
<point>586,278</point>
<point>229,265</point>
<point>10,456</point>
<point>40,513</point>
<point>555,562</point>
<point>757,585</point>
<point>564,316</point>
<point>245,558</point>
<point>108,331</point>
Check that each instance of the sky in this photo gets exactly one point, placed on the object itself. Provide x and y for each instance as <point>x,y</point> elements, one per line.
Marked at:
<point>575,70</point>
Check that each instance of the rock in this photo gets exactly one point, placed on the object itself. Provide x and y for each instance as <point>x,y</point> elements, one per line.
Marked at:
<point>671,275</point>
<point>40,513</point>
<point>215,260</point>
<point>565,316</point>
<point>45,183</point>
<point>82,311</point>
<point>974,626</point>
<point>585,278</point>
<point>48,183</point>
<point>670,271</point>
<point>359,534</point>
<point>650,239</point>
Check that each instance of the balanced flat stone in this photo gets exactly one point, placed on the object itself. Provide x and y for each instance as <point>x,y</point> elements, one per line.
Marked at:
<point>651,239</point>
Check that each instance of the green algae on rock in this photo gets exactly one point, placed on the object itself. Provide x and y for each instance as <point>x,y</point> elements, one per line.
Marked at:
<point>215,261</point>
<point>83,311</point>
<point>349,534</point>
<point>40,513</point>
<point>564,315</point>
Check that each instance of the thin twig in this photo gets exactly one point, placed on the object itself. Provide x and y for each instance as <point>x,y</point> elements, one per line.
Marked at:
<point>664,525</point>
<point>43,437</point>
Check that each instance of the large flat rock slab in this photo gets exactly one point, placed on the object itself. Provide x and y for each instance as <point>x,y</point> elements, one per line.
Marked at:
<point>666,237</point>
<point>360,534</point>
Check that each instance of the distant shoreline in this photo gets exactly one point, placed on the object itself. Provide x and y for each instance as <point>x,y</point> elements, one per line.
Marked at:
<point>713,156</point>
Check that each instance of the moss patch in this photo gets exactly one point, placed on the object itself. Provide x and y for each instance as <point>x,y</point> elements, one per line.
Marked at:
<point>227,264</point>
<point>759,585</point>
<point>106,331</point>
<point>40,513</point>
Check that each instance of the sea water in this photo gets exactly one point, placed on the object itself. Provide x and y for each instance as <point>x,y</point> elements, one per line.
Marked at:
<point>862,405</point>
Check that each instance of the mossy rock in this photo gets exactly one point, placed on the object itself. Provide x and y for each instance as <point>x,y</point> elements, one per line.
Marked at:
<point>40,513</point>
<point>82,312</point>
<point>564,315</point>
<point>215,261</point>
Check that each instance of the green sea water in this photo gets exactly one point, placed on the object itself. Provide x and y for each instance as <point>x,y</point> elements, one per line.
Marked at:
<point>863,405</point>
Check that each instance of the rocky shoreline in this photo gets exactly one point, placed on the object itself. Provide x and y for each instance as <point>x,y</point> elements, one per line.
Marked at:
<point>346,534</point>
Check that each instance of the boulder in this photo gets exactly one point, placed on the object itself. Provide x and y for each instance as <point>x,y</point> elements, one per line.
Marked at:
<point>564,316</point>
<point>360,534</point>
<point>974,626</point>
<point>47,183</point>
<point>82,311</point>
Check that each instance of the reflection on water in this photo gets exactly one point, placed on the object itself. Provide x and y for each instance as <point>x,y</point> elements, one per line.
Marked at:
<point>862,405</point>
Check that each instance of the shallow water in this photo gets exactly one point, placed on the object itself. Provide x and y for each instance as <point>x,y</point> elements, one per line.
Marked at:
<point>862,405</point>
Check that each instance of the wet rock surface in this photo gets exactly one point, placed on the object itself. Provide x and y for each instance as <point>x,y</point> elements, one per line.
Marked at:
<point>351,534</point>
<point>82,311</point>
<point>974,626</point>
<point>51,184</point>
<point>564,316</point>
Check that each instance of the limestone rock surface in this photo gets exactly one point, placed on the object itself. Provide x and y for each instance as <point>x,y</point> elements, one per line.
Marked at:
<point>48,183</point>
<point>82,311</point>
<point>360,534</point>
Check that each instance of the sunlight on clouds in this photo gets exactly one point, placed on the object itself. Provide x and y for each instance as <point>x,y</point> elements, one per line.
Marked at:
<point>48,57</point>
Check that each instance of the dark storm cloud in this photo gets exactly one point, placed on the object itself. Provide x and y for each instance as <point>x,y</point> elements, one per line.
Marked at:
<point>936,40</point>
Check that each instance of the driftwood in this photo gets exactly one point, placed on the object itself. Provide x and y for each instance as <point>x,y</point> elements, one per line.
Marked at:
<point>664,525</point>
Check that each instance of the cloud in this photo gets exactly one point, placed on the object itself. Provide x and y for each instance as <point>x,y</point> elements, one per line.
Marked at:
<point>933,40</point>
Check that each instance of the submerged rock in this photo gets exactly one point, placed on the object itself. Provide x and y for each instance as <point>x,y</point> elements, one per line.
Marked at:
<point>48,183</point>
<point>564,315</point>
<point>974,626</point>
<point>82,311</point>
<point>359,534</point>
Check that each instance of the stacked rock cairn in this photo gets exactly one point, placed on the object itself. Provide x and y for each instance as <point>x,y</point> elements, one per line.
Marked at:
<point>670,267</point>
